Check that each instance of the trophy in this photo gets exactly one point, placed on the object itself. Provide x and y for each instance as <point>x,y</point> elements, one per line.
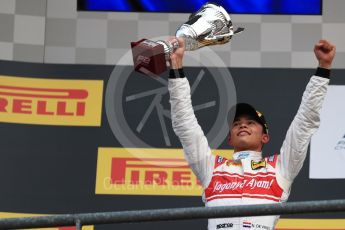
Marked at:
<point>210,25</point>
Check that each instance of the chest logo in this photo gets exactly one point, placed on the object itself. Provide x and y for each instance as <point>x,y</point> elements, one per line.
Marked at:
<point>258,165</point>
<point>229,163</point>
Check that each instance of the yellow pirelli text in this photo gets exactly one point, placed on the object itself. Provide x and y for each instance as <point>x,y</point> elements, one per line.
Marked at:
<point>143,171</point>
<point>68,102</point>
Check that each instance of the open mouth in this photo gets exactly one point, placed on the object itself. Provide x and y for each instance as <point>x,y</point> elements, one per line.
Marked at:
<point>243,133</point>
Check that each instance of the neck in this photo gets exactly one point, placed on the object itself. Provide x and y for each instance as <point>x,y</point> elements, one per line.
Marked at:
<point>257,149</point>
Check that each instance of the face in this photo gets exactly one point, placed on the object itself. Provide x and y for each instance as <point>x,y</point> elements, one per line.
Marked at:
<point>247,134</point>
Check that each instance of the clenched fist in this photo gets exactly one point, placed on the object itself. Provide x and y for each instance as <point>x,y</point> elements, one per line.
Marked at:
<point>324,52</point>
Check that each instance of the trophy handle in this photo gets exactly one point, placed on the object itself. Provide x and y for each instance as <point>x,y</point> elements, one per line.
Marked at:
<point>228,35</point>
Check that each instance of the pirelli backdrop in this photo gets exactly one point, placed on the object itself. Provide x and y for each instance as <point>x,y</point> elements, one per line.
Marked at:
<point>88,138</point>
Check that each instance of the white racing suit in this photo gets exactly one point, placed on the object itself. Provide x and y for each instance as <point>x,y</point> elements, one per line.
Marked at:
<point>247,178</point>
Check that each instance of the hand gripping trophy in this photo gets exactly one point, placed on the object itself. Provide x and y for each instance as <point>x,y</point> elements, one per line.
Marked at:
<point>210,25</point>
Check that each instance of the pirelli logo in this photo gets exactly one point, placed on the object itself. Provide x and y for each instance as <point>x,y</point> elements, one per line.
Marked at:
<point>50,102</point>
<point>134,171</point>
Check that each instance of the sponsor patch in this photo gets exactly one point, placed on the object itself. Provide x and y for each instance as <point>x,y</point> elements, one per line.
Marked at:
<point>229,163</point>
<point>260,226</point>
<point>247,224</point>
<point>242,155</point>
<point>271,158</point>
<point>258,165</point>
<point>225,225</point>
<point>220,159</point>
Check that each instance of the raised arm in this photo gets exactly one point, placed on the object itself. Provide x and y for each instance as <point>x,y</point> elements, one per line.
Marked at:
<point>307,119</point>
<point>184,122</point>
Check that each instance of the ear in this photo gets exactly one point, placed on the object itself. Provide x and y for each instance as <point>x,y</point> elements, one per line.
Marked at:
<point>229,139</point>
<point>265,138</point>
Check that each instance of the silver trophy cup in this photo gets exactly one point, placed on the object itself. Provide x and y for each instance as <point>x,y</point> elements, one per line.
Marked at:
<point>210,25</point>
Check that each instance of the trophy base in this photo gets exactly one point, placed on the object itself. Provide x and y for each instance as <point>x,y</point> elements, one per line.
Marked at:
<point>148,57</point>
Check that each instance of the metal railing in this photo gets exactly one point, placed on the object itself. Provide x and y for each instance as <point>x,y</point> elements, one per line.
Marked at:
<point>79,220</point>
